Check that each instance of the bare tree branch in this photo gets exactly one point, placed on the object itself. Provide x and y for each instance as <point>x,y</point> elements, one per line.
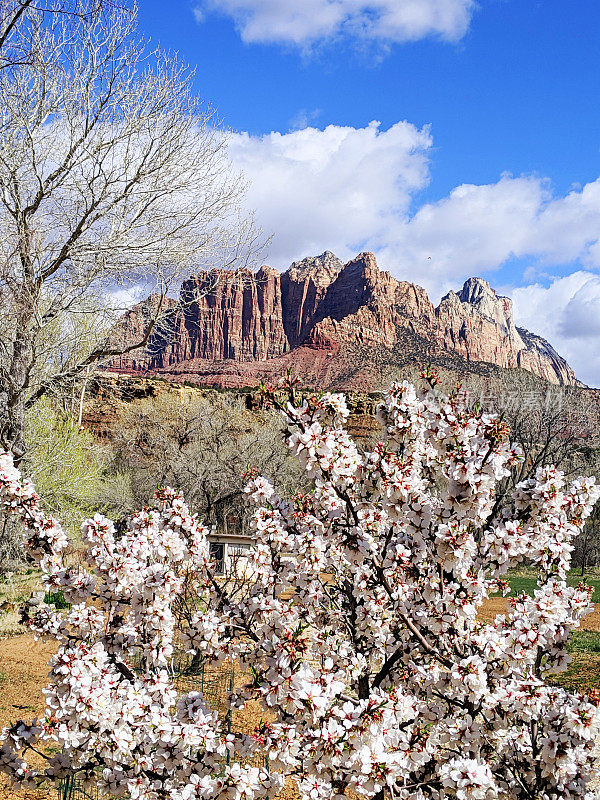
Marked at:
<point>114,179</point>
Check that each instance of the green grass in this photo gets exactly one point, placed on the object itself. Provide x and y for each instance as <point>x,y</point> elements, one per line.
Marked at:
<point>528,584</point>
<point>56,599</point>
<point>583,673</point>
<point>584,642</point>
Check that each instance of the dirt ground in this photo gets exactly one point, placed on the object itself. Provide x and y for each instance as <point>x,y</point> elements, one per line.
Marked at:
<point>23,674</point>
<point>24,669</point>
<point>497,605</point>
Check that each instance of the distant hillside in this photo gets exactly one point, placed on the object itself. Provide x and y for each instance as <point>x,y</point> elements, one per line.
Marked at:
<point>343,326</point>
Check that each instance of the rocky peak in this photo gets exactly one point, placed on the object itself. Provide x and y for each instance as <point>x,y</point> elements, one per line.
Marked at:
<point>488,303</point>
<point>322,270</point>
<point>304,286</point>
<point>478,324</point>
<point>361,282</point>
<point>477,291</point>
<point>352,288</point>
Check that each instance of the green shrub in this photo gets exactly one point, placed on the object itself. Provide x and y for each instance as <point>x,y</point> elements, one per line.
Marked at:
<point>56,599</point>
<point>65,462</point>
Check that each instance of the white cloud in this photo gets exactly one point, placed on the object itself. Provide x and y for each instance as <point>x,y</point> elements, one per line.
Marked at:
<point>581,316</point>
<point>567,313</point>
<point>303,118</point>
<point>302,22</point>
<point>346,189</point>
<point>334,189</point>
<point>478,228</point>
<point>474,229</point>
<point>122,298</point>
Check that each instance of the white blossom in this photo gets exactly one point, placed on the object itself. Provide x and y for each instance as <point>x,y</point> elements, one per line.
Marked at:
<point>359,632</point>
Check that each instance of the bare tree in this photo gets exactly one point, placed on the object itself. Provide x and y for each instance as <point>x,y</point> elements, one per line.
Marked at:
<point>586,551</point>
<point>15,43</point>
<point>202,445</point>
<point>11,51</point>
<point>114,177</point>
<point>552,427</point>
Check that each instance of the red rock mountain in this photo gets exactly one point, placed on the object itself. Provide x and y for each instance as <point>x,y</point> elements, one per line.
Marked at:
<point>337,325</point>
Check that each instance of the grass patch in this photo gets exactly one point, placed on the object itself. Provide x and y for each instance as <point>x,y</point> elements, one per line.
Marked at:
<point>582,676</point>
<point>56,599</point>
<point>584,642</point>
<point>528,584</point>
<point>583,673</point>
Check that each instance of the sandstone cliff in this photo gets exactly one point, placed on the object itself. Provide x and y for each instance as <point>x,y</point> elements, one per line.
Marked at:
<point>337,325</point>
<point>478,324</point>
<point>304,287</point>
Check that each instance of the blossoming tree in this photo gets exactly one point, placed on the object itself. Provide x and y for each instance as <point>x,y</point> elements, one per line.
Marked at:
<point>359,632</point>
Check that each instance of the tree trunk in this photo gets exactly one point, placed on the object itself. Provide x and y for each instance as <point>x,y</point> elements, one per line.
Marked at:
<point>14,430</point>
<point>82,397</point>
<point>16,382</point>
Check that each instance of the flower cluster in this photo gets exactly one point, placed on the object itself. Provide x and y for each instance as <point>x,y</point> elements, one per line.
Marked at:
<point>359,628</point>
<point>371,650</point>
<point>112,706</point>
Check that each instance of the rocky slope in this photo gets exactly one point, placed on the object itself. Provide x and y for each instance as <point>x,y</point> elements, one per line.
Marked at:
<point>340,325</point>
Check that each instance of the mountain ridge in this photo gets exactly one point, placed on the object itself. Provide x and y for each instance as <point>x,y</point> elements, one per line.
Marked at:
<point>328,320</point>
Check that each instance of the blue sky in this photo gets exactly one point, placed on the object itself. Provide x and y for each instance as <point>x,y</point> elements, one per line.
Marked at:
<point>517,93</point>
<point>485,159</point>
